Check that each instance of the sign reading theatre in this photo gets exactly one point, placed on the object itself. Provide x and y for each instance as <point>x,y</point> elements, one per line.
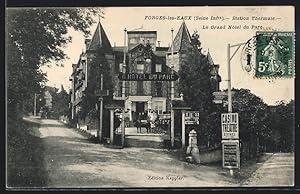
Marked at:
<point>148,76</point>
<point>230,125</point>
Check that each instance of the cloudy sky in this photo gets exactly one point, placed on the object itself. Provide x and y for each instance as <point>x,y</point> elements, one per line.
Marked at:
<point>215,40</point>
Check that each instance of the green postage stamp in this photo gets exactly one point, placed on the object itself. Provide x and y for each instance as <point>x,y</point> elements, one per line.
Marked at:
<point>275,54</point>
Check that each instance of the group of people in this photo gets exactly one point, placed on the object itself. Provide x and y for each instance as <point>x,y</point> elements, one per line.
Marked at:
<point>146,120</point>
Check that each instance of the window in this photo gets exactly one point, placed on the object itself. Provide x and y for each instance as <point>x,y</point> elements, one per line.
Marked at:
<point>120,86</point>
<point>158,88</point>
<point>140,88</point>
<point>158,68</point>
<point>140,68</point>
<point>121,67</point>
<point>133,41</point>
<point>158,106</point>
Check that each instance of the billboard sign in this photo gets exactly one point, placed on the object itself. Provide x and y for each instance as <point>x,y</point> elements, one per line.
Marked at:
<point>164,119</point>
<point>231,154</point>
<point>191,118</point>
<point>230,125</point>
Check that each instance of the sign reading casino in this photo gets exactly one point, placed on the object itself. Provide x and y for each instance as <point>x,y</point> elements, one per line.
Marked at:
<point>230,125</point>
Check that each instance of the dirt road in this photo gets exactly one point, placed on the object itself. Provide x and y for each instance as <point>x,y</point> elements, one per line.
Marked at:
<point>73,161</point>
<point>276,171</point>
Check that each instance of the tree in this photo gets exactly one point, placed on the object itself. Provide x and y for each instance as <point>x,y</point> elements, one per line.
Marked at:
<point>282,125</point>
<point>60,103</point>
<point>90,101</point>
<point>195,78</point>
<point>253,120</point>
<point>36,37</point>
<point>195,84</point>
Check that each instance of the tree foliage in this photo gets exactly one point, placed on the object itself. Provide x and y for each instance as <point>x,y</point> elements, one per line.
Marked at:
<point>36,37</point>
<point>195,84</point>
<point>263,127</point>
<point>98,66</point>
<point>282,122</point>
<point>253,118</point>
<point>195,80</point>
<point>60,104</point>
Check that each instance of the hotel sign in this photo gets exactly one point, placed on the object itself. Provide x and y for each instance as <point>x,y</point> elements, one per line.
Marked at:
<point>230,125</point>
<point>148,76</point>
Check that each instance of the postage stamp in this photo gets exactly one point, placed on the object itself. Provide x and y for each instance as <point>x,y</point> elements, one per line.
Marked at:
<point>275,54</point>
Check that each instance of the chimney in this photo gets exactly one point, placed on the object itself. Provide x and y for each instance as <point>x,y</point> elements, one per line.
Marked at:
<point>158,42</point>
<point>87,43</point>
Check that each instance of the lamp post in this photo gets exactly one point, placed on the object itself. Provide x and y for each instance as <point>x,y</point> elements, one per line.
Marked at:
<point>101,93</point>
<point>124,64</point>
<point>173,95</point>
<point>101,109</point>
<point>229,57</point>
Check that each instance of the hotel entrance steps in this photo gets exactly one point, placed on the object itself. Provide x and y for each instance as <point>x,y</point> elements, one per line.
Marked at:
<point>143,139</point>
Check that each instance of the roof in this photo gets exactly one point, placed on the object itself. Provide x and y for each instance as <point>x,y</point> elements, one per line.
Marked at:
<point>160,53</point>
<point>182,39</point>
<point>51,89</point>
<point>118,48</point>
<point>99,39</point>
<point>209,58</point>
<point>140,45</point>
<point>142,32</point>
<point>162,48</point>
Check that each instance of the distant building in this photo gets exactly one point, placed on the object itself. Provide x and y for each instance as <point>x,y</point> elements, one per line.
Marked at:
<point>141,96</point>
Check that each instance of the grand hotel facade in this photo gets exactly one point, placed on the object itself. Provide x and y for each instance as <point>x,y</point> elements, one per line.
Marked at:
<point>141,54</point>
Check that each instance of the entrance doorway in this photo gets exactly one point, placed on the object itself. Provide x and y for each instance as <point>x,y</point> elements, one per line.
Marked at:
<point>140,107</point>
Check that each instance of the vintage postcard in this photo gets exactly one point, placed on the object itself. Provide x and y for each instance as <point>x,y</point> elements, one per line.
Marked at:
<point>150,97</point>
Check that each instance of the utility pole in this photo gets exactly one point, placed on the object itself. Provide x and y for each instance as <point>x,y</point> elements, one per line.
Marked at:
<point>101,93</point>
<point>124,64</point>
<point>101,109</point>
<point>229,57</point>
<point>172,94</point>
<point>34,106</point>
<point>229,71</point>
<point>229,80</point>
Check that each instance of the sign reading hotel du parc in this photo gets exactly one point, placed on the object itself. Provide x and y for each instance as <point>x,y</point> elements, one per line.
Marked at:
<point>148,76</point>
<point>230,125</point>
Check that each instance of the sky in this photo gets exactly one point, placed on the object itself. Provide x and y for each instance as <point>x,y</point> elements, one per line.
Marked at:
<point>206,20</point>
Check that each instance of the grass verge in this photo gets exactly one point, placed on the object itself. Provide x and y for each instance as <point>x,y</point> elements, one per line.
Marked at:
<point>25,155</point>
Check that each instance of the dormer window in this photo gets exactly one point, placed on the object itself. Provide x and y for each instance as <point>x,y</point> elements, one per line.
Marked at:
<point>158,68</point>
<point>140,68</point>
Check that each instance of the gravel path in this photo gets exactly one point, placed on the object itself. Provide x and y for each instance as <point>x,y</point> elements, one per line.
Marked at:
<point>277,171</point>
<point>73,161</point>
